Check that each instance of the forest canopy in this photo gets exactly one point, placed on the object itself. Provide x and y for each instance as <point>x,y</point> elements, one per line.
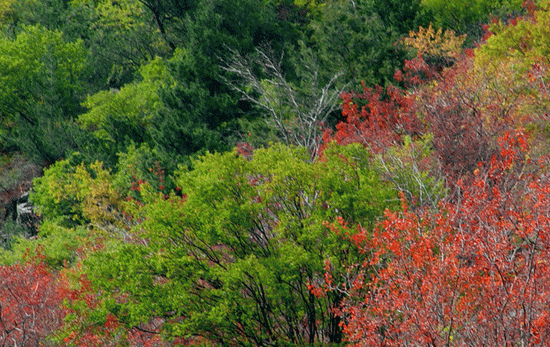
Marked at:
<point>274,172</point>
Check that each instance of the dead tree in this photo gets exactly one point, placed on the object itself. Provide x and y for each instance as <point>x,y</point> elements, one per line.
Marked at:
<point>298,114</point>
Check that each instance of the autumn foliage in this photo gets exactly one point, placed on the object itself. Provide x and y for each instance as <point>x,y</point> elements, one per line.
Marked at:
<point>423,220</point>
<point>473,270</point>
<point>30,304</point>
<point>474,273</point>
<point>463,110</point>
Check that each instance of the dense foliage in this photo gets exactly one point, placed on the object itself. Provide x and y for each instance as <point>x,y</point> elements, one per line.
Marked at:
<point>274,172</point>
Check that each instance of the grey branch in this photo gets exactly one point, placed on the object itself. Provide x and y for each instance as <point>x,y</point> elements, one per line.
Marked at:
<point>297,113</point>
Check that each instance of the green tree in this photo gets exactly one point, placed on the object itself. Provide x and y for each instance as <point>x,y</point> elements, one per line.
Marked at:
<point>467,17</point>
<point>71,194</point>
<point>80,204</point>
<point>121,37</point>
<point>523,40</point>
<point>200,111</point>
<point>233,257</point>
<point>40,91</point>
<point>119,118</point>
<point>359,38</point>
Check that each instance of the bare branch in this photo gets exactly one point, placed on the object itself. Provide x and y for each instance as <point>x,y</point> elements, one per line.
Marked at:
<point>298,114</point>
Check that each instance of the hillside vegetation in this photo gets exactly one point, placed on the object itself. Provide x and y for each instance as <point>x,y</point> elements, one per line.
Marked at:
<point>274,172</point>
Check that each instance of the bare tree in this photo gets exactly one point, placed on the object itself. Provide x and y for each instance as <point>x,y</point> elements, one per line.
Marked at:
<point>297,113</point>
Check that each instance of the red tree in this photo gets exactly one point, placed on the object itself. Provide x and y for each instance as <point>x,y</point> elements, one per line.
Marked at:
<point>379,117</point>
<point>463,108</point>
<point>476,273</point>
<point>30,304</point>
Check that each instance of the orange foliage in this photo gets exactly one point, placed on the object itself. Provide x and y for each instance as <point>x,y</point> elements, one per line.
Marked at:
<point>475,273</point>
<point>30,304</point>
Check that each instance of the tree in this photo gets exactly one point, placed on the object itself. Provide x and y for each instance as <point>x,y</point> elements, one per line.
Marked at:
<point>468,17</point>
<point>72,194</point>
<point>39,68</point>
<point>40,92</point>
<point>462,110</point>
<point>200,111</point>
<point>522,38</point>
<point>231,257</point>
<point>296,113</point>
<point>30,304</point>
<point>120,37</point>
<point>472,273</point>
<point>439,49</point>
<point>358,39</point>
<point>80,205</point>
<point>170,13</point>
<point>120,118</point>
